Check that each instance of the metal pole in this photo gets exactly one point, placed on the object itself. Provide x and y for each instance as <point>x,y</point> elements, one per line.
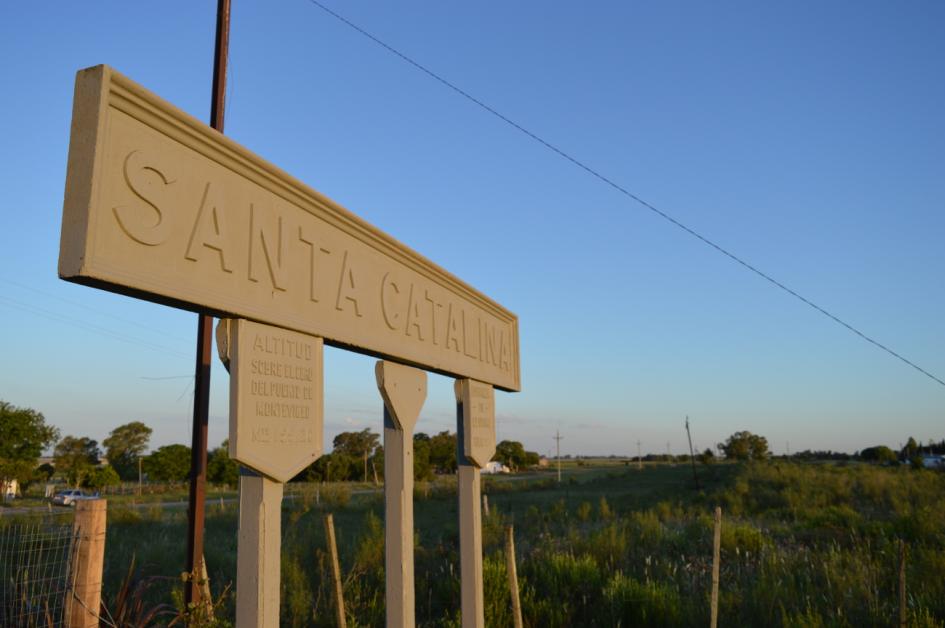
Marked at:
<point>558,438</point>
<point>198,453</point>
<point>692,457</point>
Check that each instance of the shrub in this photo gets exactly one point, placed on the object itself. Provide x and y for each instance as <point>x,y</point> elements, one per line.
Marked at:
<point>632,603</point>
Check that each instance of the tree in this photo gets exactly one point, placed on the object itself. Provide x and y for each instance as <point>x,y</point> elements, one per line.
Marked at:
<point>879,453</point>
<point>100,477</point>
<point>221,469</point>
<point>707,456</point>
<point>745,446</point>
<point>910,450</point>
<point>23,437</point>
<point>170,463</point>
<point>511,453</point>
<point>44,472</point>
<point>124,446</point>
<point>532,459</point>
<point>443,452</point>
<point>357,445</point>
<point>422,469</point>
<point>76,457</point>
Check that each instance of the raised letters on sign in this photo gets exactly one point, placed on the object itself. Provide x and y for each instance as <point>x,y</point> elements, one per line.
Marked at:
<point>159,205</point>
<point>276,397</point>
<point>478,401</point>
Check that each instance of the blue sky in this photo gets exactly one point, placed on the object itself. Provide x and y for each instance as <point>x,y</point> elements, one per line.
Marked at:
<point>807,138</point>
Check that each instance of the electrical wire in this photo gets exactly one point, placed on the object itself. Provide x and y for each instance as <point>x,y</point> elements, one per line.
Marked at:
<point>607,181</point>
<point>89,327</point>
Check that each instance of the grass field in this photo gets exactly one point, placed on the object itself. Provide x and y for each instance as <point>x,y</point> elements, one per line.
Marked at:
<point>802,545</point>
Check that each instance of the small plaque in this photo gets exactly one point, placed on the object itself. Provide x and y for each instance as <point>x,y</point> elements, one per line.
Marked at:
<point>478,401</point>
<point>276,400</point>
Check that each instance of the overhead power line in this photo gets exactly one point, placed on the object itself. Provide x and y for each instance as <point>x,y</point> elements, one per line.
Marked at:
<point>621,189</point>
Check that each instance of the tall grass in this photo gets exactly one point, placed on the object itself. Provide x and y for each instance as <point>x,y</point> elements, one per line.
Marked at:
<point>802,545</point>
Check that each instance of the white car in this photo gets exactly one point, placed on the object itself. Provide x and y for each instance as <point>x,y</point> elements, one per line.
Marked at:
<point>71,496</point>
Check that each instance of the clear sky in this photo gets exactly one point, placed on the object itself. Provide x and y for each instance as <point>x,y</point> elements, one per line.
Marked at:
<point>807,137</point>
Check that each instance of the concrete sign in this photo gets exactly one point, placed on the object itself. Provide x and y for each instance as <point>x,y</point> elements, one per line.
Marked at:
<point>162,207</point>
<point>276,397</point>
<point>478,401</point>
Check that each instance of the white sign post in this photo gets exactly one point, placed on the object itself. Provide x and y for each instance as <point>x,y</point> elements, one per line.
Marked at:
<point>276,429</point>
<point>404,390</point>
<point>475,444</point>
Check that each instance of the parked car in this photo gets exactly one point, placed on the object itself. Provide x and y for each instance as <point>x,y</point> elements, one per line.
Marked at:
<point>71,496</point>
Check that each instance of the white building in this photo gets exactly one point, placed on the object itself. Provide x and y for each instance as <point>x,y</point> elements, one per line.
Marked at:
<point>495,467</point>
<point>9,489</point>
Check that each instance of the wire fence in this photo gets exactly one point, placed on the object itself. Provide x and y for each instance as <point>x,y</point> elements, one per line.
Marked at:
<point>35,567</point>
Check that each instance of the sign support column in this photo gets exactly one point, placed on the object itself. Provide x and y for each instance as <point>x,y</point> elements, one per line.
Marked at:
<point>276,405</point>
<point>259,547</point>
<point>404,390</point>
<point>475,446</point>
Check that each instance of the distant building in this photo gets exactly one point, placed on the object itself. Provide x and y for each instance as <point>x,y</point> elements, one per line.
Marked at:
<point>933,462</point>
<point>10,489</point>
<point>543,462</point>
<point>495,467</point>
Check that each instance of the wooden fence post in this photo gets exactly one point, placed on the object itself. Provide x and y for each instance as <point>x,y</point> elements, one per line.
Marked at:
<point>716,551</point>
<point>335,570</point>
<point>903,610</point>
<point>205,597</point>
<point>82,607</point>
<point>513,575</point>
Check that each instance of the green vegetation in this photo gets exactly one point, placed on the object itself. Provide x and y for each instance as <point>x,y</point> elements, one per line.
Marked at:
<point>170,463</point>
<point>124,447</point>
<point>802,545</point>
<point>221,469</point>
<point>23,437</point>
<point>75,458</point>
<point>745,446</point>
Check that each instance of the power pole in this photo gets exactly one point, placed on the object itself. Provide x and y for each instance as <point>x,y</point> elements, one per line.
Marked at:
<point>198,449</point>
<point>558,438</point>
<point>692,457</point>
<point>639,457</point>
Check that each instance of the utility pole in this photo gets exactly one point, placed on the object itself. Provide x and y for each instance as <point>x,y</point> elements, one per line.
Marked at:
<point>692,457</point>
<point>198,449</point>
<point>558,438</point>
<point>639,457</point>
<point>139,475</point>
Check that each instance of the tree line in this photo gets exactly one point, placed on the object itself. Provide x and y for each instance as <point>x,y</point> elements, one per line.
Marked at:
<point>356,456</point>
<point>83,462</point>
